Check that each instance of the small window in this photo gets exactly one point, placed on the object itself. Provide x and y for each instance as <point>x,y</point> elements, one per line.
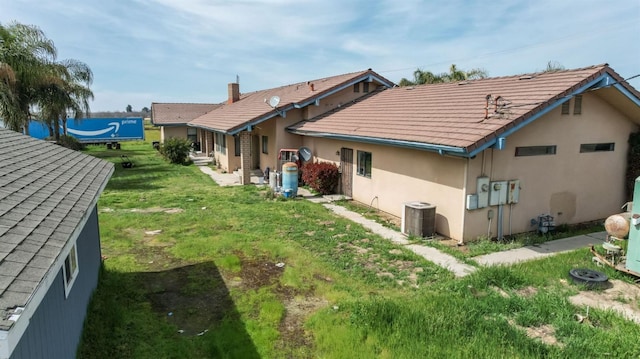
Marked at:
<point>265,144</point>
<point>364,164</point>
<point>356,87</point>
<point>221,143</point>
<point>70,270</point>
<point>236,144</point>
<point>565,107</point>
<point>597,147</point>
<point>535,151</point>
<point>577,105</point>
<point>192,134</point>
<point>365,87</point>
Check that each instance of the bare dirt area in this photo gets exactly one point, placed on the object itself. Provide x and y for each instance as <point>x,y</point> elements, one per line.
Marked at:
<point>619,296</point>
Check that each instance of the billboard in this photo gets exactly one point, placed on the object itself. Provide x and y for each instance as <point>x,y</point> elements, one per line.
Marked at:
<point>96,130</point>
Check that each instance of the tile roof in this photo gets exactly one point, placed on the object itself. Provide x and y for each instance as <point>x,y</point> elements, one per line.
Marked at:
<point>45,192</point>
<point>178,113</point>
<point>251,108</point>
<point>450,115</point>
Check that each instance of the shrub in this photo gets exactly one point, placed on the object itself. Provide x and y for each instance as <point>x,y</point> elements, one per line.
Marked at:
<point>321,176</point>
<point>176,150</point>
<point>70,142</point>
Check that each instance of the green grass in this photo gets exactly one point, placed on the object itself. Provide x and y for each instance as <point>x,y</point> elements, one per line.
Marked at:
<point>341,292</point>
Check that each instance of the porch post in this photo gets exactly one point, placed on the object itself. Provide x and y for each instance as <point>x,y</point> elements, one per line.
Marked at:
<point>245,157</point>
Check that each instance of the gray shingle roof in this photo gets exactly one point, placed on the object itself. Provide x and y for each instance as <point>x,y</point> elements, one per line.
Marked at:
<point>45,191</point>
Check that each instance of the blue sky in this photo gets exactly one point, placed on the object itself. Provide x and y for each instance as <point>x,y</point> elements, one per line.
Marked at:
<point>144,51</point>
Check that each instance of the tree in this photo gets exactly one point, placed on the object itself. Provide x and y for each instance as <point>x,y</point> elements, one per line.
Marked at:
<point>31,77</point>
<point>553,66</point>
<point>145,109</point>
<point>427,77</point>
<point>129,108</point>
<point>66,94</point>
<point>24,54</point>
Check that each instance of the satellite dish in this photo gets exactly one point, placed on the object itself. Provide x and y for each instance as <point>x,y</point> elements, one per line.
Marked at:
<point>274,101</point>
<point>305,153</point>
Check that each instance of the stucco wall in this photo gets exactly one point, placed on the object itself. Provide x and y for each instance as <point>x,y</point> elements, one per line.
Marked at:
<point>573,187</point>
<point>172,131</point>
<point>56,326</point>
<point>400,175</point>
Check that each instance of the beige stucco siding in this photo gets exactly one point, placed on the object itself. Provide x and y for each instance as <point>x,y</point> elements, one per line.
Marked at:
<point>400,175</point>
<point>167,132</point>
<point>573,187</point>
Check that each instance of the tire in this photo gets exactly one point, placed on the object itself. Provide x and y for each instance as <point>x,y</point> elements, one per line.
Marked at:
<point>590,278</point>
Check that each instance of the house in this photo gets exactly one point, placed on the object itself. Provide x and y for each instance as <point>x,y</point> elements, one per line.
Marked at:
<point>247,132</point>
<point>494,156</point>
<point>49,245</point>
<point>172,118</point>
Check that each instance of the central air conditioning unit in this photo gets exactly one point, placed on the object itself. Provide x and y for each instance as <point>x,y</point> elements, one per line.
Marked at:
<point>418,219</point>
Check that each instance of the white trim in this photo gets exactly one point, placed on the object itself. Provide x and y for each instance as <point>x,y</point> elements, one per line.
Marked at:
<point>9,339</point>
<point>69,284</point>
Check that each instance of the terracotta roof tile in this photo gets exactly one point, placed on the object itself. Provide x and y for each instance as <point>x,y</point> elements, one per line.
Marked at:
<point>252,106</point>
<point>450,114</point>
<point>178,113</point>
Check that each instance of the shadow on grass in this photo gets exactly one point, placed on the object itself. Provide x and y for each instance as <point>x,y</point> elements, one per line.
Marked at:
<point>183,312</point>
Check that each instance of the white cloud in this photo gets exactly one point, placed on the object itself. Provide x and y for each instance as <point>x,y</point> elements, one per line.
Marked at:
<point>165,50</point>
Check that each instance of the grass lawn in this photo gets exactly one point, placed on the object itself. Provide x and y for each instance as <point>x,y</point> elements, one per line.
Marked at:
<point>194,270</point>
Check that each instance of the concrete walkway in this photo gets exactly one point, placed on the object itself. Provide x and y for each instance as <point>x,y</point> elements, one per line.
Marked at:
<point>542,250</point>
<point>444,260</point>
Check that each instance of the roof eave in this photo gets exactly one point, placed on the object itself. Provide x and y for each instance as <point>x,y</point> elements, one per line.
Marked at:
<point>440,149</point>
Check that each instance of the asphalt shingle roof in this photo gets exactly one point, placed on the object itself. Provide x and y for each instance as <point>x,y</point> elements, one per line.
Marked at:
<point>252,106</point>
<point>45,191</point>
<point>451,114</point>
<point>178,113</point>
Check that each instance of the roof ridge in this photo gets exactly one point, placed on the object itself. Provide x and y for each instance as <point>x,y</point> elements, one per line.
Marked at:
<point>305,82</point>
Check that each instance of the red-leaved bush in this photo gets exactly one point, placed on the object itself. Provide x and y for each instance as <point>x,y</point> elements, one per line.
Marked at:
<point>321,176</point>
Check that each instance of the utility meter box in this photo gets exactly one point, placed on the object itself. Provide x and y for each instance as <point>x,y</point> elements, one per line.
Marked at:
<point>514,191</point>
<point>482,189</point>
<point>498,193</point>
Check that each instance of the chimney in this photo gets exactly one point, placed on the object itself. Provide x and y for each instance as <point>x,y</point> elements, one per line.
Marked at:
<point>312,86</point>
<point>234,92</point>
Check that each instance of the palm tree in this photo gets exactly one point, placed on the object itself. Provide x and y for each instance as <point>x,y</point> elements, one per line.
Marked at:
<point>66,92</point>
<point>427,77</point>
<point>24,53</point>
<point>31,77</point>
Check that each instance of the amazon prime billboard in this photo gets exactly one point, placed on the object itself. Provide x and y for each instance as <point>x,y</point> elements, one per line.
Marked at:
<point>96,130</point>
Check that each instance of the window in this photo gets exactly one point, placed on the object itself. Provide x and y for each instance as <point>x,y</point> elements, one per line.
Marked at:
<point>577,105</point>
<point>597,147</point>
<point>70,270</point>
<point>221,143</point>
<point>356,87</point>
<point>236,144</point>
<point>265,144</point>
<point>364,164</point>
<point>565,107</point>
<point>192,134</point>
<point>365,87</point>
<point>535,151</point>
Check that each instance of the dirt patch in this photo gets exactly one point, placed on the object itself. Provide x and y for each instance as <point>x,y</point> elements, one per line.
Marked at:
<point>621,297</point>
<point>545,333</point>
<point>193,297</point>
<point>157,210</point>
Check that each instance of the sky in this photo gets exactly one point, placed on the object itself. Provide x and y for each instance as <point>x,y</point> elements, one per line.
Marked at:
<point>144,51</point>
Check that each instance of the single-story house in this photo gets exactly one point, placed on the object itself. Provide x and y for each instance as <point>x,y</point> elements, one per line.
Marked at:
<point>172,118</point>
<point>494,156</point>
<point>49,245</point>
<point>247,132</point>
